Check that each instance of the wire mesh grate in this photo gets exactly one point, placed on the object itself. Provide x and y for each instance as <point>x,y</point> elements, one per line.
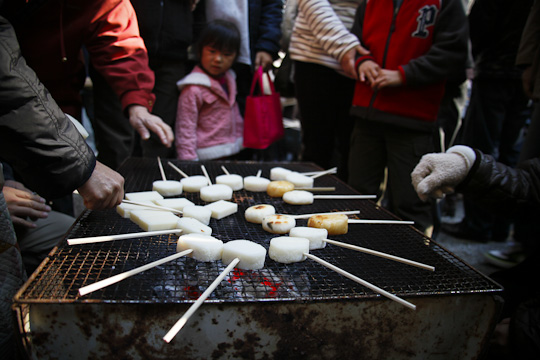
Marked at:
<point>68,268</point>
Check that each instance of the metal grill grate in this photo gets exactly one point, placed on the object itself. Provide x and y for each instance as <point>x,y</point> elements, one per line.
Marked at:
<point>69,268</point>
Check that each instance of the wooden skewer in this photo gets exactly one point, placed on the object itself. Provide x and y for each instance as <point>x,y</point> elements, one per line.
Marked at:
<point>182,321</point>
<point>157,207</point>
<point>344,196</point>
<point>114,279</point>
<point>161,169</point>
<point>259,173</point>
<point>331,188</point>
<point>311,173</point>
<point>381,254</point>
<point>95,239</point>
<point>307,216</point>
<point>322,173</point>
<point>177,169</point>
<point>225,170</point>
<point>361,282</point>
<point>364,221</point>
<point>206,174</point>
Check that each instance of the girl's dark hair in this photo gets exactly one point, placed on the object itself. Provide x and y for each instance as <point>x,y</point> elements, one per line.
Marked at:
<point>221,34</point>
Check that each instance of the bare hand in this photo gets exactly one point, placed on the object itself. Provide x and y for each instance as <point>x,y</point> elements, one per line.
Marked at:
<point>387,78</point>
<point>349,59</point>
<point>144,122</point>
<point>23,204</point>
<point>104,189</point>
<point>264,59</point>
<point>368,71</point>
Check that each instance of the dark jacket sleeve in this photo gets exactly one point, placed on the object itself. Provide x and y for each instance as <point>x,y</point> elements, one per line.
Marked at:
<point>265,26</point>
<point>449,50</point>
<point>36,137</point>
<point>503,189</point>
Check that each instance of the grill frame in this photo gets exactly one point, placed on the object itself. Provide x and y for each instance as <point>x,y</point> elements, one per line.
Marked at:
<point>68,268</point>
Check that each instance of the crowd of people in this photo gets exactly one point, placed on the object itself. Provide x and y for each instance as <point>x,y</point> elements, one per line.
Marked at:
<point>376,83</point>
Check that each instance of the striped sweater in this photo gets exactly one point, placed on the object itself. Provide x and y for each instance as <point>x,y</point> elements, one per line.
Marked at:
<point>321,32</point>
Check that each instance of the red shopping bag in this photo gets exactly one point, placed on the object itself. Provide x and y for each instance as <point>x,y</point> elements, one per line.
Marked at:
<point>263,118</point>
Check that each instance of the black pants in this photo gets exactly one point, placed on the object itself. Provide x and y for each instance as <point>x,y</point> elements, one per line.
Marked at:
<point>494,124</point>
<point>324,101</point>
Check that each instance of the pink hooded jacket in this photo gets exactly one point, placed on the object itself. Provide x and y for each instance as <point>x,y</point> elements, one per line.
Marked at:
<point>208,121</point>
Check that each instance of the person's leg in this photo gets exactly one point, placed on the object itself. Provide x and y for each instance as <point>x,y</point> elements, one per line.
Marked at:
<point>113,133</point>
<point>35,244</point>
<point>324,100</point>
<point>405,148</point>
<point>167,93</point>
<point>367,158</point>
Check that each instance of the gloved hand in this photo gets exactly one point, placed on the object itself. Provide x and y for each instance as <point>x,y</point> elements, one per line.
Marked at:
<point>438,174</point>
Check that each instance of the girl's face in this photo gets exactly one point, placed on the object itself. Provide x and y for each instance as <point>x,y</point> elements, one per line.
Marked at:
<point>216,62</point>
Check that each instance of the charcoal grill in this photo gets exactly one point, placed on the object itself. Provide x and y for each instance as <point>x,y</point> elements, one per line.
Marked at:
<point>288,310</point>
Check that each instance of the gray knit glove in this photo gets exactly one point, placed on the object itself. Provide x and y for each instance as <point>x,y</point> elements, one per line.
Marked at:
<point>438,174</point>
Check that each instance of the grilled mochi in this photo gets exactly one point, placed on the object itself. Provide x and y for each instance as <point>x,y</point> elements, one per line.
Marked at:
<point>315,236</point>
<point>167,187</point>
<point>251,254</point>
<point>234,181</point>
<point>256,183</point>
<point>337,224</point>
<point>278,224</point>
<point>298,197</point>
<point>287,249</point>
<point>256,213</point>
<point>205,247</point>
<point>216,192</point>
<point>194,183</point>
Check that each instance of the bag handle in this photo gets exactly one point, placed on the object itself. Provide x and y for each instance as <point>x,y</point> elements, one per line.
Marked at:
<point>258,76</point>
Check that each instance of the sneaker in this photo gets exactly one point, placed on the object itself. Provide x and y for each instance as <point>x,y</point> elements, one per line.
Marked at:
<point>506,258</point>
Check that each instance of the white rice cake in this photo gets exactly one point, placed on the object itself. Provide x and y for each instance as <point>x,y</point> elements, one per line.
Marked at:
<point>256,183</point>
<point>278,224</point>
<point>167,187</point>
<point>234,181</point>
<point>193,226</point>
<point>143,196</point>
<point>286,249</point>
<point>216,192</point>
<point>256,213</point>
<point>174,203</point>
<point>279,173</point>
<point>298,197</point>
<point>125,210</point>
<point>251,254</point>
<point>315,236</point>
<point>300,180</point>
<point>222,208</point>
<point>205,248</point>
<point>200,213</point>
<point>194,183</point>
<point>150,220</point>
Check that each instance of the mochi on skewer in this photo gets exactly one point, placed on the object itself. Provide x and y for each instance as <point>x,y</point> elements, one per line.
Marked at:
<point>166,187</point>
<point>278,224</point>
<point>251,254</point>
<point>287,249</point>
<point>256,213</point>
<point>205,247</point>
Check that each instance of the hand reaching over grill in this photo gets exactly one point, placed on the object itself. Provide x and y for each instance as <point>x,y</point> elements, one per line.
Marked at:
<point>438,174</point>
<point>104,189</point>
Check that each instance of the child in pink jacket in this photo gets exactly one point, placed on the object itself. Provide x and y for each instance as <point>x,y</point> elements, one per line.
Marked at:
<point>208,121</point>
